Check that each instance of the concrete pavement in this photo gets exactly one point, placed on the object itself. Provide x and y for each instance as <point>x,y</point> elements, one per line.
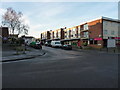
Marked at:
<point>9,54</point>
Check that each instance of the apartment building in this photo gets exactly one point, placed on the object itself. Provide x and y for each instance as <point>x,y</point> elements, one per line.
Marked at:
<point>45,36</point>
<point>57,34</point>
<point>94,33</point>
<point>51,35</point>
<point>67,36</point>
<point>72,36</point>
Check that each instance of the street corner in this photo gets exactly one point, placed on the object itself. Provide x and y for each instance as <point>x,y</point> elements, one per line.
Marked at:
<point>23,56</point>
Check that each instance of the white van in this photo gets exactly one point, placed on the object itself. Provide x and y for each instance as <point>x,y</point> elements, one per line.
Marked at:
<point>56,44</point>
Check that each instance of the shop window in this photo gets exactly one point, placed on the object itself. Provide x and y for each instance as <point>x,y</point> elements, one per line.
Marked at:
<point>91,42</point>
<point>95,42</point>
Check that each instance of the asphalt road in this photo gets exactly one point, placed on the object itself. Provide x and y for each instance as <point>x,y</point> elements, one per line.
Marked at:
<point>63,69</point>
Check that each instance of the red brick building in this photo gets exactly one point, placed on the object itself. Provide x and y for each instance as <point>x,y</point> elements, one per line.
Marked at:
<point>4,34</point>
<point>97,32</point>
<point>94,33</point>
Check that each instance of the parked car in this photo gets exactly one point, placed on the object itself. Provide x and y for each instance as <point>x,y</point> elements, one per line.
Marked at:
<point>36,45</point>
<point>49,44</point>
<point>67,47</point>
<point>56,44</point>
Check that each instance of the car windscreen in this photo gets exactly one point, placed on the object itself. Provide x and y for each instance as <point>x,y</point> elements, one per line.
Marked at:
<point>57,43</point>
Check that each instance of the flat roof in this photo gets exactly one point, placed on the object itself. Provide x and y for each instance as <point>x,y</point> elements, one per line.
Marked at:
<point>101,17</point>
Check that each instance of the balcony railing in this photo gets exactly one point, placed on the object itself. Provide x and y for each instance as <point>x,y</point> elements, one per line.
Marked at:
<point>84,30</point>
<point>83,36</point>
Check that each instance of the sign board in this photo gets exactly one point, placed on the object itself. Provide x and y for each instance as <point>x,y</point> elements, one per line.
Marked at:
<point>111,43</point>
<point>118,38</point>
<point>97,38</point>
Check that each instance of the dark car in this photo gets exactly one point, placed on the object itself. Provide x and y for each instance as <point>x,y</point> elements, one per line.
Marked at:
<point>38,46</point>
<point>67,47</point>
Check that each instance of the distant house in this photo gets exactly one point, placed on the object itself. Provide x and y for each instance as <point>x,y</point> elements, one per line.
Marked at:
<point>28,39</point>
<point>4,34</point>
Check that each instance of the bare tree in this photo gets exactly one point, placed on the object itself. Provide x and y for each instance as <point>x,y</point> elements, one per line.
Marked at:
<point>14,21</point>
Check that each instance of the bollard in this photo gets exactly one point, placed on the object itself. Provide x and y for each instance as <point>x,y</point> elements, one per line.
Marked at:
<point>107,49</point>
<point>114,50</point>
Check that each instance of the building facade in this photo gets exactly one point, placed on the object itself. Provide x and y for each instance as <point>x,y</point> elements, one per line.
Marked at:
<point>101,30</point>
<point>45,36</point>
<point>94,33</point>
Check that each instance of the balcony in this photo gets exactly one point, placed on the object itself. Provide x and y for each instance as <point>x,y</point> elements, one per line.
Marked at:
<point>84,36</point>
<point>83,30</point>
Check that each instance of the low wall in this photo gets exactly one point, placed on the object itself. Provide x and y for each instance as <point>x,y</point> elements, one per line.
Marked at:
<point>96,46</point>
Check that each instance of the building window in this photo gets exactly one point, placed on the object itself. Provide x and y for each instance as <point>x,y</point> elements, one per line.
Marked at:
<point>86,27</point>
<point>112,32</point>
<point>85,34</point>
<point>65,36</point>
<point>78,28</point>
<point>91,42</point>
<point>105,32</point>
<point>74,29</point>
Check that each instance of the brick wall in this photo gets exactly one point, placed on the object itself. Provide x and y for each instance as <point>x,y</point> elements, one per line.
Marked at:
<point>95,28</point>
<point>95,31</point>
<point>4,31</point>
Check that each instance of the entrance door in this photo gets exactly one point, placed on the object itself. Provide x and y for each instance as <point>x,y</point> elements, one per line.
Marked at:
<point>104,42</point>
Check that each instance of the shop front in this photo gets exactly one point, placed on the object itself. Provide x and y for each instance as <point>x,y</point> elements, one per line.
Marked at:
<point>96,42</point>
<point>74,42</point>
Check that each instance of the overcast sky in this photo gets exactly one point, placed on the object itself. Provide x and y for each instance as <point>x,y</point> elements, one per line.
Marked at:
<point>43,16</point>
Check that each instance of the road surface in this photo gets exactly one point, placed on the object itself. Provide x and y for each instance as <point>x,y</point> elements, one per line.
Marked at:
<point>63,69</point>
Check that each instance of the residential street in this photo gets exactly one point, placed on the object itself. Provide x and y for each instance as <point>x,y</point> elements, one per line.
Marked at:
<point>63,69</point>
